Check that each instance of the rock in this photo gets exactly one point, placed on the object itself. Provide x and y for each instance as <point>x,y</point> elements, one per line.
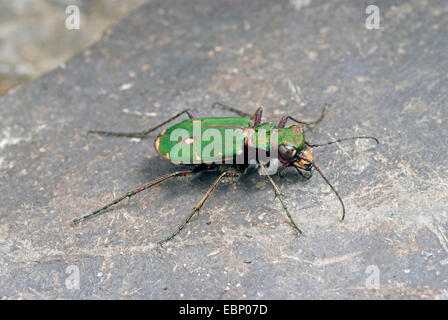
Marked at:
<point>390,83</point>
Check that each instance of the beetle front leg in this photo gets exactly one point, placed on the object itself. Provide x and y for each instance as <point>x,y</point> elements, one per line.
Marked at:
<point>305,176</point>
<point>144,133</point>
<point>280,197</point>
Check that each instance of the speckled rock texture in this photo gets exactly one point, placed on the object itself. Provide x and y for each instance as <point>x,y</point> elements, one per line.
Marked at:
<point>34,39</point>
<point>291,57</point>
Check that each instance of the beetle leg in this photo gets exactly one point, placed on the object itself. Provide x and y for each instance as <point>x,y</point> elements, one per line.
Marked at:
<point>305,176</point>
<point>281,171</point>
<point>232,109</point>
<point>279,196</point>
<point>144,133</point>
<point>283,120</point>
<point>256,115</point>
<point>135,191</point>
<point>196,208</point>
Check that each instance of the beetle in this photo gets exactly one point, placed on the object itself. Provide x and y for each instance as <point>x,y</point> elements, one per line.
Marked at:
<point>231,158</point>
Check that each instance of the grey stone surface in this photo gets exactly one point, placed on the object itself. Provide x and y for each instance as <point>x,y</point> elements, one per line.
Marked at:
<point>34,39</point>
<point>289,56</point>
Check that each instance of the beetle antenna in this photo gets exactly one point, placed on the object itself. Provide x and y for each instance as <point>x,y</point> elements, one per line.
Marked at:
<point>312,145</point>
<point>334,190</point>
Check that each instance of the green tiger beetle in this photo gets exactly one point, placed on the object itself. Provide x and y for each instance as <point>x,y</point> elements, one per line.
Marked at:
<point>233,157</point>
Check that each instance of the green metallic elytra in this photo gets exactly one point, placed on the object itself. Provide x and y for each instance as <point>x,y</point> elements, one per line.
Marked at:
<point>215,140</point>
<point>195,135</point>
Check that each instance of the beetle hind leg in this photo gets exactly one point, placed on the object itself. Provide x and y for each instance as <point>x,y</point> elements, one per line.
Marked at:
<point>134,192</point>
<point>144,133</point>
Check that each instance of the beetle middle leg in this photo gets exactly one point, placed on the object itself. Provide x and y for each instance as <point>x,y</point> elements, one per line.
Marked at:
<point>198,206</point>
<point>144,133</point>
<point>284,119</point>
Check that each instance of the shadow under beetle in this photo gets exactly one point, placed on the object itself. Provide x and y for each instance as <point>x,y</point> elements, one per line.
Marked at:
<point>292,149</point>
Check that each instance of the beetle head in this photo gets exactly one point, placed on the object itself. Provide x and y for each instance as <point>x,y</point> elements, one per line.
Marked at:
<point>292,149</point>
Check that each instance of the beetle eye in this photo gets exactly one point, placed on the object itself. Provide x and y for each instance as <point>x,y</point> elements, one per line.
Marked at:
<point>287,152</point>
